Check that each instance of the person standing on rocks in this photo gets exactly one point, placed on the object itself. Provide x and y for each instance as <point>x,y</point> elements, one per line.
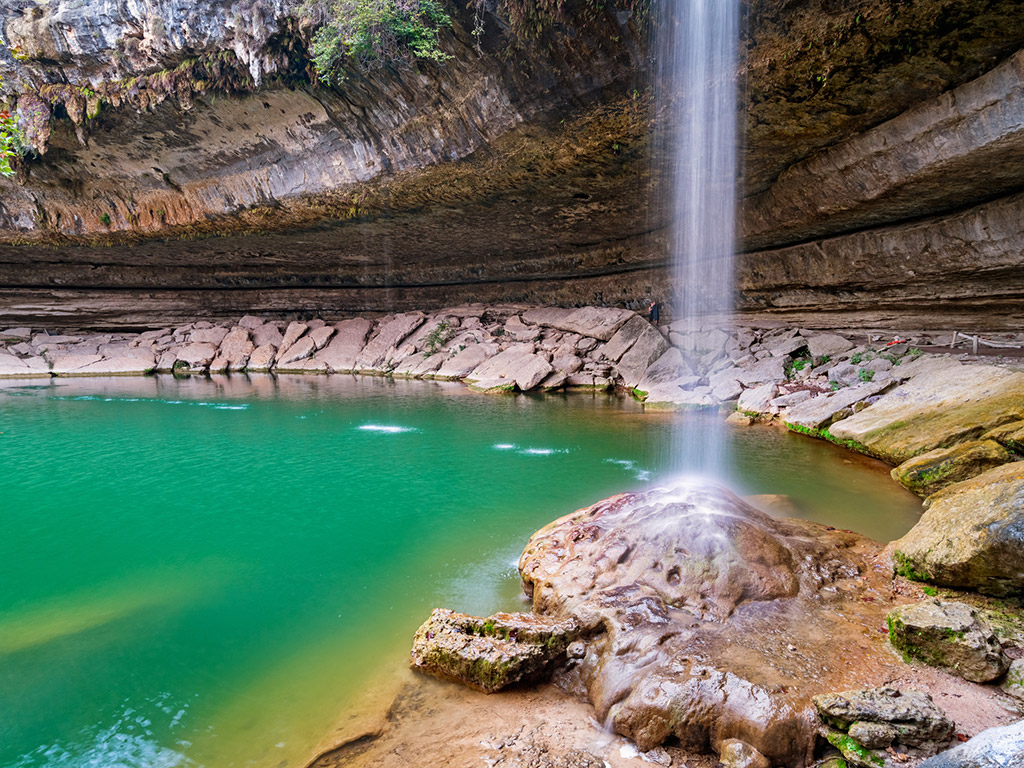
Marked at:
<point>654,312</point>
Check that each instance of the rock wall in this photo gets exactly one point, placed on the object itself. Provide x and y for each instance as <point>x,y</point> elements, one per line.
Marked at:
<point>192,169</point>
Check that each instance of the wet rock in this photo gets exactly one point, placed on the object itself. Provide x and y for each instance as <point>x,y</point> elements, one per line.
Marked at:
<point>734,753</point>
<point>729,389</point>
<point>341,353</point>
<point>667,369</point>
<point>942,404</point>
<point>935,470</point>
<point>878,718</point>
<point>993,748</point>
<point>493,386</point>
<point>489,654</point>
<point>971,535</point>
<point>950,635</point>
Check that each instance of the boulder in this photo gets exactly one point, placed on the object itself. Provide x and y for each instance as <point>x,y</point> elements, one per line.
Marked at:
<point>64,365</point>
<point>292,334</point>
<point>234,351</point>
<point>597,322</point>
<point>567,363</point>
<point>667,369</point>
<point>864,724</point>
<point>734,753</point>
<point>1013,684</point>
<point>757,400</point>
<point>489,654</point>
<point>532,371</point>
<point>971,535</point>
<point>133,365</point>
<point>648,347</point>
<point>516,329</point>
<point>321,335</point>
<point>949,635</point>
<point>250,322</point>
<point>300,350</point>
<point>624,339</point>
<point>389,335</point>
<point>196,356</point>
<point>212,336</point>
<point>769,369</point>
<point>268,333</point>
<point>828,345</point>
<point>728,389</point>
<point>943,403</point>
<point>341,353</point>
<point>493,386</point>
<point>993,748</point>
<point>261,359</point>
<point>18,334</point>
<point>505,364</point>
<point>934,470</point>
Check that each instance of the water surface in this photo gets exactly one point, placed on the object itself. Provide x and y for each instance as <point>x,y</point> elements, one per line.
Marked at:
<point>204,571</point>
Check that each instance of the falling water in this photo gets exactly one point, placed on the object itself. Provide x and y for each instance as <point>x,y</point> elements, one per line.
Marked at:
<point>697,86</point>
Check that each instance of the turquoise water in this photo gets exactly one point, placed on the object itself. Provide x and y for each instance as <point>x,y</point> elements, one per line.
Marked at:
<point>202,572</point>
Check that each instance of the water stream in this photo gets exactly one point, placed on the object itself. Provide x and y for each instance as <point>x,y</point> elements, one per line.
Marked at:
<point>696,44</point>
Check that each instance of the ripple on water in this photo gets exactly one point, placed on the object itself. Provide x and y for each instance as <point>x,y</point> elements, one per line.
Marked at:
<point>388,429</point>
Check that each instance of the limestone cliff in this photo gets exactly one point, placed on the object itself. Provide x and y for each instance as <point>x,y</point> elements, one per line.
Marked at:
<point>189,164</point>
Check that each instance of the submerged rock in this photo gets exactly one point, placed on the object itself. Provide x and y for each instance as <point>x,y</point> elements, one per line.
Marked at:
<point>489,654</point>
<point>880,718</point>
<point>972,535</point>
<point>949,635</point>
<point>993,748</point>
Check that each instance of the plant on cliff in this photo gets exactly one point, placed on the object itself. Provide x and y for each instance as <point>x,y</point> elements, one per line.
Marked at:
<point>12,140</point>
<point>375,32</point>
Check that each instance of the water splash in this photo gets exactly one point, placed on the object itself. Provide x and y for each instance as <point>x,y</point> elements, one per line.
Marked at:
<point>697,47</point>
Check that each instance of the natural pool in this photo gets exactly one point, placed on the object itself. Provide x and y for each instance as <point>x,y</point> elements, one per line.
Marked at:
<point>203,571</point>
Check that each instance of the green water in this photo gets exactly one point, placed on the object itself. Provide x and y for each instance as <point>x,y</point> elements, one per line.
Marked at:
<point>203,572</point>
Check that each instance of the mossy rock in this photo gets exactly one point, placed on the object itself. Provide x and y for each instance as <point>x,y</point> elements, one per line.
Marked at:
<point>949,635</point>
<point>938,469</point>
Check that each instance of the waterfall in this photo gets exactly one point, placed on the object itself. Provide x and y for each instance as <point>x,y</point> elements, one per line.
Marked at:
<point>697,47</point>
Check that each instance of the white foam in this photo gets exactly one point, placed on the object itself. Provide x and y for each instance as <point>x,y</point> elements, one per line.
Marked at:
<point>388,429</point>
<point>542,451</point>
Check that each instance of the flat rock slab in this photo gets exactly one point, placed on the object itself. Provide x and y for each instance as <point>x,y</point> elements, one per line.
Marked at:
<point>820,412</point>
<point>949,635</point>
<point>389,335</point>
<point>971,535</point>
<point>646,349</point>
<point>117,366</point>
<point>946,403</point>
<point>12,367</point>
<point>465,361</point>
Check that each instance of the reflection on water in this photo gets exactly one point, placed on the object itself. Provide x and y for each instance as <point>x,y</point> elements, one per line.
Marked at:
<point>203,571</point>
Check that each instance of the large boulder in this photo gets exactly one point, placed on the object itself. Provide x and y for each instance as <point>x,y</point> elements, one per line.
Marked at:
<point>935,470</point>
<point>389,335</point>
<point>595,322</point>
<point>489,654</point>
<point>864,724</point>
<point>942,404</point>
<point>349,339</point>
<point>993,748</point>
<point>950,635</point>
<point>971,535</point>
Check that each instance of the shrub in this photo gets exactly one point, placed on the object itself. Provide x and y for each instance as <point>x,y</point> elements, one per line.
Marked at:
<point>375,32</point>
<point>865,374</point>
<point>12,140</point>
